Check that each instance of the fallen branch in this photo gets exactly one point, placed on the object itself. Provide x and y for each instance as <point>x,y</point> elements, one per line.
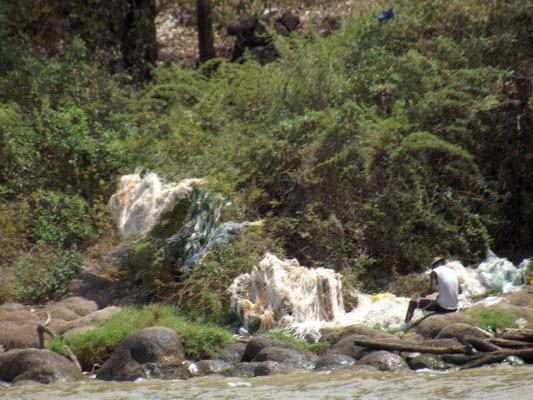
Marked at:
<point>410,347</point>
<point>525,335</point>
<point>484,360</point>
<point>509,343</point>
<point>460,359</point>
<point>42,329</point>
<point>482,344</point>
<point>498,356</point>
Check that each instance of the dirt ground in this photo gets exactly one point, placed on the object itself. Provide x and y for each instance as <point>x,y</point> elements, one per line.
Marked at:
<point>178,39</point>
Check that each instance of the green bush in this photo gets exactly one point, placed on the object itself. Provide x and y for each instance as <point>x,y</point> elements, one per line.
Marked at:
<point>366,151</point>
<point>44,273</point>
<point>61,135</point>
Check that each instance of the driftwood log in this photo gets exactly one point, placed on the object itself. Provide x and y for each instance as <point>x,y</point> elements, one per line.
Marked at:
<point>525,335</point>
<point>498,356</point>
<point>489,350</point>
<point>509,343</point>
<point>459,359</point>
<point>482,344</point>
<point>411,347</point>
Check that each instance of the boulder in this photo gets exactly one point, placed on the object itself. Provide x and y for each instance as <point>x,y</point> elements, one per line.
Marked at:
<point>64,313</point>
<point>279,354</point>
<point>220,367</point>
<point>89,319</point>
<point>430,326</point>
<point>347,347</point>
<point>149,345</point>
<point>79,305</point>
<point>427,361</point>
<point>164,370</point>
<point>14,335</point>
<point>18,316</point>
<point>8,307</point>
<point>252,369</point>
<point>460,332</point>
<point>333,361</point>
<point>43,366</point>
<point>233,353</point>
<point>256,344</point>
<point>384,361</point>
<point>245,369</point>
<point>333,335</point>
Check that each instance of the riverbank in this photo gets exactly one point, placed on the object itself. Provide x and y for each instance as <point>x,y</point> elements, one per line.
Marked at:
<point>436,342</point>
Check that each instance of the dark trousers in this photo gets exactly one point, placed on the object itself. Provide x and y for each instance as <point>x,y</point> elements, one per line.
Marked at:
<point>424,304</point>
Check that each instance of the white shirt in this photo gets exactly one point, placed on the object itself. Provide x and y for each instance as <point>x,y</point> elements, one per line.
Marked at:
<point>448,287</point>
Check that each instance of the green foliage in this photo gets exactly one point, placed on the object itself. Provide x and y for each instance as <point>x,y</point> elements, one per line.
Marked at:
<point>203,296</point>
<point>492,319</point>
<point>57,219</point>
<point>44,273</point>
<point>95,346</point>
<point>60,140</point>
<point>366,151</point>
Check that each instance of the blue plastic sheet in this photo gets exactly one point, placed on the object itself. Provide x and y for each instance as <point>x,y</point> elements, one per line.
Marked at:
<point>385,15</point>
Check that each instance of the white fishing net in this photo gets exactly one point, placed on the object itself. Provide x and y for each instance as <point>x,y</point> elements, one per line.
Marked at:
<point>283,294</point>
<point>140,201</point>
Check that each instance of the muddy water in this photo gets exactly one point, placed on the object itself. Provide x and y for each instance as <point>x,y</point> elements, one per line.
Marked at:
<point>502,382</point>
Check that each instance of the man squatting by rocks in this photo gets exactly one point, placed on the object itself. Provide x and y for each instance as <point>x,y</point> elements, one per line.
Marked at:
<point>444,281</point>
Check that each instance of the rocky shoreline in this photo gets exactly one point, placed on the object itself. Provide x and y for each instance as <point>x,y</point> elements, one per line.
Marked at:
<point>437,342</point>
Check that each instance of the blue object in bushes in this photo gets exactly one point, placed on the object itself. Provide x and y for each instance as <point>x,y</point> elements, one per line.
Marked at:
<point>385,15</point>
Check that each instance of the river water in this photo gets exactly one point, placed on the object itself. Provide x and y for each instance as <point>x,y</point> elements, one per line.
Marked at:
<point>501,382</point>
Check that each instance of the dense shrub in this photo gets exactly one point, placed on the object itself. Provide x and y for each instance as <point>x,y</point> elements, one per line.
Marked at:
<point>44,273</point>
<point>61,135</point>
<point>369,150</point>
<point>366,151</point>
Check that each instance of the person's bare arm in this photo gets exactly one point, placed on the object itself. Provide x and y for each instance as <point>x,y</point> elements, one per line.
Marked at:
<point>433,285</point>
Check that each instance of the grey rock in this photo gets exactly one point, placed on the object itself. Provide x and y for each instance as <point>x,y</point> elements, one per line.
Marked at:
<point>333,361</point>
<point>334,335</point>
<point>347,346</point>
<point>459,331</point>
<point>8,307</point>
<point>88,319</point>
<point>430,326</point>
<point>256,344</point>
<point>220,367</point>
<point>149,345</point>
<point>232,353</point>
<point>16,335</point>
<point>38,365</point>
<point>427,361</point>
<point>79,305</point>
<point>384,361</point>
<point>265,368</point>
<point>64,313</point>
<point>279,354</point>
<point>18,316</point>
